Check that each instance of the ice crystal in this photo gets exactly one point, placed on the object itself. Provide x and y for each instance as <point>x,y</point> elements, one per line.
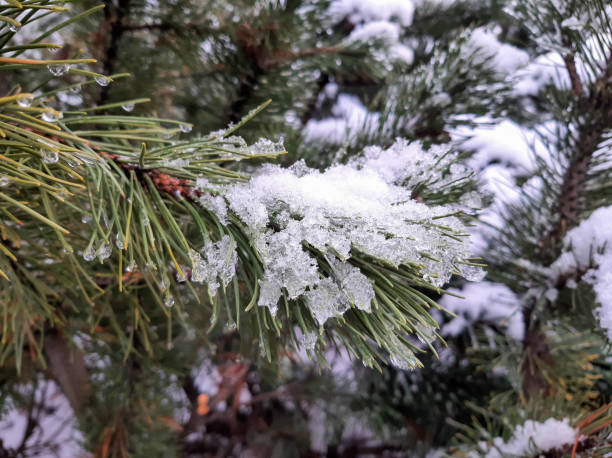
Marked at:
<point>58,70</point>
<point>25,101</point>
<point>51,115</point>
<point>89,254</point>
<point>127,107</point>
<point>49,156</point>
<point>102,80</point>
<point>169,300</point>
<point>4,180</point>
<point>186,128</point>
<point>354,284</point>
<point>215,261</point>
<point>326,300</point>
<point>104,251</point>
<point>216,204</point>
<point>365,206</point>
<point>264,146</point>
<point>120,241</point>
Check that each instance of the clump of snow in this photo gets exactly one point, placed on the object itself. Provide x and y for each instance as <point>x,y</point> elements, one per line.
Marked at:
<point>377,20</point>
<point>547,69</point>
<point>503,58</point>
<point>349,118</point>
<point>361,11</point>
<point>389,34</point>
<point>366,206</point>
<point>589,246</point>
<point>505,142</point>
<point>485,301</point>
<point>531,439</point>
<point>215,204</point>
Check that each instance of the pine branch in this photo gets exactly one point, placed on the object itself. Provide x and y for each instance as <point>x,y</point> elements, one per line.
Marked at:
<point>596,109</point>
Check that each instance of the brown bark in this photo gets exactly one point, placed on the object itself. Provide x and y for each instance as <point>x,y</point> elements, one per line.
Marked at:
<point>596,109</point>
<point>66,366</point>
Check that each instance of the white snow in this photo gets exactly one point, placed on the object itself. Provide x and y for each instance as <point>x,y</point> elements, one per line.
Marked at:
<point>361,11</point>
<point>546,69</point>
<point>503,58</point>
<point>504,142</point>
<point>389,34</point>
<point>359,206</point>
<point>589,246</point>
<point>485,301</point>
<point>350,117</point>
<point>377,20</point>
<point>532,438</point>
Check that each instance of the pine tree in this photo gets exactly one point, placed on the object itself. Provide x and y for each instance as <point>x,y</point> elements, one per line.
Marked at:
<point>164,286</point>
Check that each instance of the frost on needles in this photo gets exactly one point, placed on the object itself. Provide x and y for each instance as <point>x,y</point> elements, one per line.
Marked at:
<point>306,225</point>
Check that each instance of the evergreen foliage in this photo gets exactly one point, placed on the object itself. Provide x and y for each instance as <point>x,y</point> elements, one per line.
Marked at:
<point>164,291</point>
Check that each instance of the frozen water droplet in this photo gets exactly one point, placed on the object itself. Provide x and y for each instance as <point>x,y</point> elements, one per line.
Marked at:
<point>72,163</point>
<point>52,115</point>
<point>25,101</point>
<point>104,251</point>
<point>49,156</point>
<point>89,254</point>
<point>131,267</point>
<point>127,107</point>
<point>162,285</point>
<point>58,70</point>
<point>102,80</point>
<point>75,89</point>
<point>406,361</point>
<point>119,241</point>
<point>186,128</point>
<point>14,27</point>
<point>4,180</point>
<point>85,219</point>
<point>473,273</point>
<point>169,300</point>
<point>229,327</point>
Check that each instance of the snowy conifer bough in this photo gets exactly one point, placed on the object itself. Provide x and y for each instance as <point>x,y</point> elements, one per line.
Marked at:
<point>101,206</point>
<point>351,238</point>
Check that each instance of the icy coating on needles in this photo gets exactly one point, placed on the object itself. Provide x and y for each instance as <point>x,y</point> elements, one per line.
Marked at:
<point>363,207</point>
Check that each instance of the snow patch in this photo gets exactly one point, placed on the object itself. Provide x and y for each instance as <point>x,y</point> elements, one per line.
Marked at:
<point>503,57</point>
<point>531,439</point>
<point>589,246</point>
<point>485,301</point>
<point>365,205</point>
